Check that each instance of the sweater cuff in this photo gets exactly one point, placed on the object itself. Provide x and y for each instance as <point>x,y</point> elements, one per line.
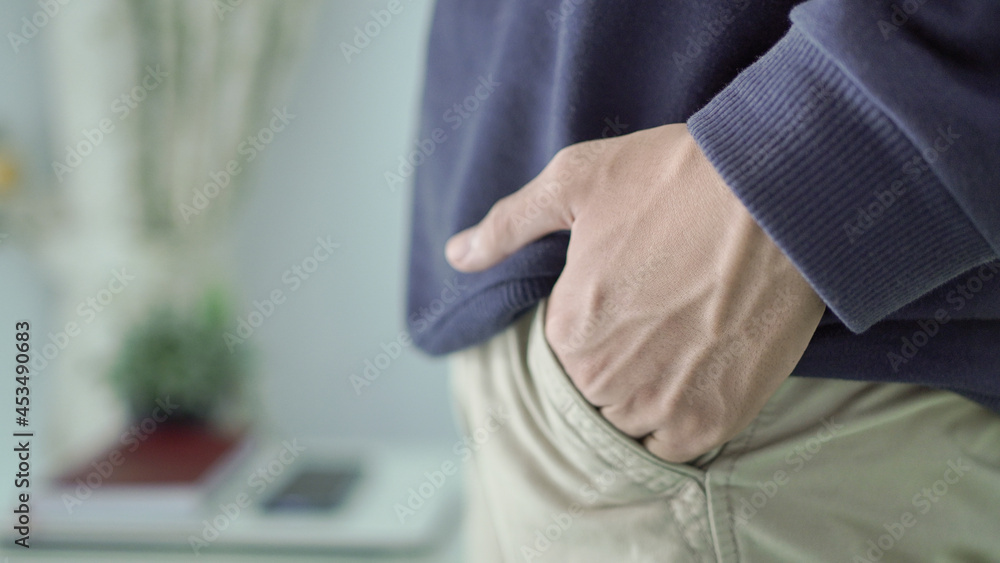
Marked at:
<point>836,184</point>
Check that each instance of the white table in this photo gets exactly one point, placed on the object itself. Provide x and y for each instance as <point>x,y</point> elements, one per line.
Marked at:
<point>449,551</point>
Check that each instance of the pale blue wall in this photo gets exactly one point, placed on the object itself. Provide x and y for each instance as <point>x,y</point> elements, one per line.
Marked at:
<point>325,176</point>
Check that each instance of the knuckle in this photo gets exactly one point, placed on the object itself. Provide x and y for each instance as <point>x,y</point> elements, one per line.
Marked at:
<point>506,227</point>
<point>686,433</point>
<point>588,381</point>
<point>499,222</point>
<point>677,452</point>
<point>563,157</point>
<point>557,330</point>
<point>569,159</point>
<point>574,334</point>
<point>569,163</point>
<point>581,368</point>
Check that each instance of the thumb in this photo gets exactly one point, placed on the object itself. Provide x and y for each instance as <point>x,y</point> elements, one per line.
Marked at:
<point>535,210</point>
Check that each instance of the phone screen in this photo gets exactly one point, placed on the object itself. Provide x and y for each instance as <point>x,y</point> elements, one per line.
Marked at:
<point>314,490</point>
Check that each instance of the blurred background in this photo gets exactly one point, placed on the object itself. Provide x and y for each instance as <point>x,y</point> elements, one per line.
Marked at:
<point>194,203</point>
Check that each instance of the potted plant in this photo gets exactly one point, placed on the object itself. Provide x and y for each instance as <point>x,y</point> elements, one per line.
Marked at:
<point>181,355</point>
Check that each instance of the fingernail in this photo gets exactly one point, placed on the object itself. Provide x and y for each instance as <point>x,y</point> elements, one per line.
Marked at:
<point>458,247</point>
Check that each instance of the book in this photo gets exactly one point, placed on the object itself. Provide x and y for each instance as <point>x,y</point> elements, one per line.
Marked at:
<point>165,473</point>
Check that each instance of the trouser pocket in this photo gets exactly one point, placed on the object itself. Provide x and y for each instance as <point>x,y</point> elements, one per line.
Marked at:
<point>587,437</point>
<point>557,482</point>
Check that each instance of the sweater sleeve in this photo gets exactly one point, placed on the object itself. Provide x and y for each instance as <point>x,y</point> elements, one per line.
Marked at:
<point>866,143</point>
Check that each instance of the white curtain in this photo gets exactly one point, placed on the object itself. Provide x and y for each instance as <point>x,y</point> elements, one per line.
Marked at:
<point>159,95</point>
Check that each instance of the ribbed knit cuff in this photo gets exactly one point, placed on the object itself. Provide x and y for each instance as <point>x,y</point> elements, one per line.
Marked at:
<point>836,184</point>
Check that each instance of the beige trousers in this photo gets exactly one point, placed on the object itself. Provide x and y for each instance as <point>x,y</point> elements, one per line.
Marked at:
<point>830,470</point>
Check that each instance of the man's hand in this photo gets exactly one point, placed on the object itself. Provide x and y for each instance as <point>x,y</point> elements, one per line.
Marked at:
<point>676,314</point>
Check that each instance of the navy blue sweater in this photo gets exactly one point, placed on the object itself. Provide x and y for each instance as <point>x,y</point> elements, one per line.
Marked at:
<point>863,136</point>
